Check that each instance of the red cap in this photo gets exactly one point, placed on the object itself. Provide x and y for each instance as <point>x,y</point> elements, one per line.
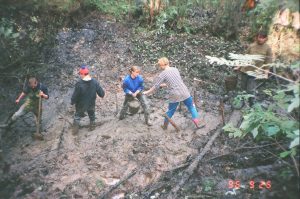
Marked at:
<point>83,70</point>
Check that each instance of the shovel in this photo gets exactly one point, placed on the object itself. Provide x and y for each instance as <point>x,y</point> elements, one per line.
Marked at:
<point>38,135</point>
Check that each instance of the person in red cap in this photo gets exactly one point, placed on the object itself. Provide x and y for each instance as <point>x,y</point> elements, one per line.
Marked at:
<point>84,97</point>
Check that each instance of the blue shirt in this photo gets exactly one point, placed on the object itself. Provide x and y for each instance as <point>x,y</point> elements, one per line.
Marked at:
<point>133,85</point>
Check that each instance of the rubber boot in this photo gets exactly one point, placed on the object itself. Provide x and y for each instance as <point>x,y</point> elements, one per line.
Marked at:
<point>147,120</point>
<point>165,125</point>
<point>199,124</point>
<point>92,126</point>
<point>75,128</point>
<point>10,122</point>
<point>122,113</point>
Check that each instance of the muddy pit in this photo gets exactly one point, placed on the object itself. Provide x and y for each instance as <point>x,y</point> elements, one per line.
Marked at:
<point>67,166</point>
<point>84,166</point>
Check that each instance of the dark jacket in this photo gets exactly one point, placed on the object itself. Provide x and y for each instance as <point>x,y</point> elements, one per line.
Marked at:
<point>84,95</point>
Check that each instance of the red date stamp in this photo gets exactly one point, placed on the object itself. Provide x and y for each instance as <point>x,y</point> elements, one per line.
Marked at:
<point>262,184</point>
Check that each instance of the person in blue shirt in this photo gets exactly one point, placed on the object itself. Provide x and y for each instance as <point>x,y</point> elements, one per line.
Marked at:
<point>133,86</point>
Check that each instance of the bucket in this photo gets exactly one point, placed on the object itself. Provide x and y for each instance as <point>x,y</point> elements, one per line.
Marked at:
<point>230,83</point>
<point>134,106</point>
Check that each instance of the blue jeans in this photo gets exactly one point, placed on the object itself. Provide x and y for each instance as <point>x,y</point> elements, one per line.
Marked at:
<point>188,103</point>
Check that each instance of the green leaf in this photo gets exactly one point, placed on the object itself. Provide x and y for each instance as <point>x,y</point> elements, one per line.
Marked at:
<point>233,131</point>
<point>288,124</point>
<point>15,35</point>
<point>228,128</point>
<point>99,183</point>
<point>293,152</point>
<point>2,30</point>
<point>294,104</point>
<point>294,143</point>
<point>295,65</point>
<point>238,133</point>
<point>284,154</point>
<point>268,92</point>
<point>272,130</point>
<point>245,124</point>
<point>254,132</point>
<point>7,32</point>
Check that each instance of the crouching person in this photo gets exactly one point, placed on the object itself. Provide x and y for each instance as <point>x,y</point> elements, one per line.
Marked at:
<point>34,92</point>
<point>84,98</point>
<point>133,85</point>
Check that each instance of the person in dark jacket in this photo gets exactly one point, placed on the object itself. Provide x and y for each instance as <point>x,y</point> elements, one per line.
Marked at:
<point>133,85</point>
<point>33,92</point>
<point>84,97</point>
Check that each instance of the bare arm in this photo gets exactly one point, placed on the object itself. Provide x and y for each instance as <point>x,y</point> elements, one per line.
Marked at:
<point>43,95</point>
<point>150,91</point>
<point>163,85</point>
<point>20,97</point>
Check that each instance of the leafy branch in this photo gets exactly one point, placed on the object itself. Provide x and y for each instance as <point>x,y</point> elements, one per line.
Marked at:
<point>248,60</point>
<point>261,122</point>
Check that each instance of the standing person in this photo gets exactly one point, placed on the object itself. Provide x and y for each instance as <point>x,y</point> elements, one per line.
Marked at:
<point>133,86</point>
<point>259,47</point>
<point>84,97</point>
<point>34,92</point>
<point>178,92</point>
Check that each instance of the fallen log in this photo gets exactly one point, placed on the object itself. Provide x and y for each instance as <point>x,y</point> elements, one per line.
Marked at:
<point>193,166</point>
<point>252,172</point>
<point>153,189</point>
<point>235,119</point>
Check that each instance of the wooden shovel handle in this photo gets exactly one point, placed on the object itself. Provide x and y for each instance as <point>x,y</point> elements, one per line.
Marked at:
<point>172,122</point>
<point>39,116</point>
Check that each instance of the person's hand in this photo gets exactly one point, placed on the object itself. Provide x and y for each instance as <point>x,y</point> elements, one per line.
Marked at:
<point>42,94</point>
<point>134,94</point>
<point>163,85</point>
<point>237,68</point>
<point>148,92</point>
<point>17,101</point>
